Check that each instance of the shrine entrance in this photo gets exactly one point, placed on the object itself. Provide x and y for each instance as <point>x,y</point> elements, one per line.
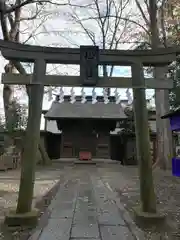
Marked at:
<point>85,135</point>
<point>86,139</point>
<point>77,137</point>
<point>89,58</point>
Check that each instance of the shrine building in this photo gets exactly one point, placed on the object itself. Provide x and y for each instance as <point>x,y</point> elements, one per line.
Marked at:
<point>90,127</point>
<point>84,126</point>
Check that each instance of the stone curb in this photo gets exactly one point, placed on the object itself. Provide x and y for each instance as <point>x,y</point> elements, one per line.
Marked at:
<point>136,231</point>
<point>35,234</point>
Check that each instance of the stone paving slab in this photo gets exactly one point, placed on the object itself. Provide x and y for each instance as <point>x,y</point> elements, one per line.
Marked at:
<point>85,218</point>
<point>83,210</point>
<point>57,230</point>
<point>107,211</point>
<point>115,233</point>
<point>85,239</point>
<point>63,210</point>
<point>85,231</point>
<point>62,213</point>
<point>85,223</point>
<point>110,219</point>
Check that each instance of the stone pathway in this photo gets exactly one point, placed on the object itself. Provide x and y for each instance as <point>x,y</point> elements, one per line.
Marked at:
<point>84,209</point>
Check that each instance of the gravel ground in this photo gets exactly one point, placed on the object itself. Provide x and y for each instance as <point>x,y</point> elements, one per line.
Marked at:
<point>125,181</point>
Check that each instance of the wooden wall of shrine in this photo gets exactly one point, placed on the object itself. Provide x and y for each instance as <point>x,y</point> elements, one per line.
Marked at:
<point>72,142</point>
<point>67,145</point>
<point>85,135</point>
<point>93,136</point>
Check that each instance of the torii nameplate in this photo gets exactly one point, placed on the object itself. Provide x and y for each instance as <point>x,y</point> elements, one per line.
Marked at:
<point>89,61</point>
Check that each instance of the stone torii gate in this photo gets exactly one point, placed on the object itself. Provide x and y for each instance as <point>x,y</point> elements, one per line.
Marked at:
<point>89,58</point>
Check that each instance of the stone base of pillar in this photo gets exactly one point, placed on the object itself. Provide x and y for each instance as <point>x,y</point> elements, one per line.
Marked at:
<point>28,219</point>
<point>145,219</point>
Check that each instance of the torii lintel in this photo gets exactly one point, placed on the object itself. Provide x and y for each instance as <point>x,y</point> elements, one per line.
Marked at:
<point>30,53</point>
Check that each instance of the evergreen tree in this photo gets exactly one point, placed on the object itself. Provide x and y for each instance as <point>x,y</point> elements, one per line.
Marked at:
<point>174,73</point>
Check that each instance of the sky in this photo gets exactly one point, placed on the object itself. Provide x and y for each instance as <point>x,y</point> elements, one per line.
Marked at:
<point>58,30</point>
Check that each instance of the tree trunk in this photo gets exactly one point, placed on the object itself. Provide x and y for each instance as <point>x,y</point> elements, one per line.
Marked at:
<point>7,98</point>
<point>164,135</point>
<point>13,35</point>
<point>8,107</point>
<point>45,158</point>
<point>9,112</point>
<point>42,151</point>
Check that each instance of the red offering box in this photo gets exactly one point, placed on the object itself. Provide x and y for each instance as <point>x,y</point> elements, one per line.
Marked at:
<point>85,155</point>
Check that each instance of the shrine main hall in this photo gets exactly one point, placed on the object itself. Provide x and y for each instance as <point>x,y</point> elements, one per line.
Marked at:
<point>88,126</point>
<point>83,126</point>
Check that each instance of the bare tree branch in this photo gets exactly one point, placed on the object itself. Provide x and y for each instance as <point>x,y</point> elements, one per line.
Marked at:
<point>116,17</point>
<point>89,33</point>
<point>11,9</point>
<point>162,20</point>
<point>4,22</point>
<point>142,12</point>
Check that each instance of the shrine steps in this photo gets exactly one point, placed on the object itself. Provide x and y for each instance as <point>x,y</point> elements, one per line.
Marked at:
<point>91,162</point>
<point>85,162</point>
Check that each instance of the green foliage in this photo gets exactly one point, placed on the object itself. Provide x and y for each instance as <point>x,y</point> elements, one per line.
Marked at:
<point>17,119</point>
<point>143,46</point>
<point>20,116</point>
<point>174,95</point>
<point>129,124</point>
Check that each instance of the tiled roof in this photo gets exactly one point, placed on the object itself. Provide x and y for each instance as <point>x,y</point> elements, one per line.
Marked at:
<point>88,110</point>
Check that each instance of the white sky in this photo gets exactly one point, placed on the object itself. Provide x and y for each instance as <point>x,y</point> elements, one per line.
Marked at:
<point>58,30</point>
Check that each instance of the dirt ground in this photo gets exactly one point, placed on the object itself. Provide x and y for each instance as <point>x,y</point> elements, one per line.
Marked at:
<point>125,181</point>
<point>120,179</point>
<point>47,178</point>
